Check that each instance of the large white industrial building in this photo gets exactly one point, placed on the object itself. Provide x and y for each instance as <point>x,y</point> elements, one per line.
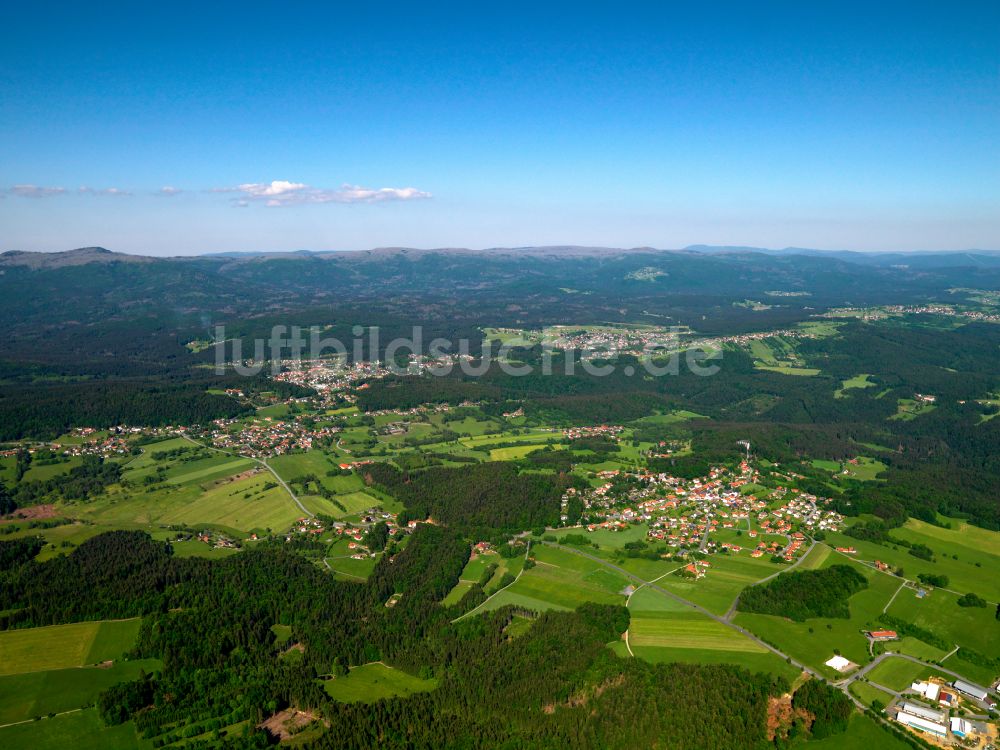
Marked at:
<point>924,725</point>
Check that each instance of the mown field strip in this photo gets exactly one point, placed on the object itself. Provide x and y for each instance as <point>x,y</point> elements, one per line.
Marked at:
<point>675,632</point>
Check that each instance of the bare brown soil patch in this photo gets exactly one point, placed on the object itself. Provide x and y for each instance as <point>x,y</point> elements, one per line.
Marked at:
<point>31,513</point>
<point>287,723</point>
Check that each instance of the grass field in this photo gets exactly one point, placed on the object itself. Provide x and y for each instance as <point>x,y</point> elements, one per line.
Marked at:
<point>963,574</point>
<point>208,499</point>
<point>372,682</point>
<point>858,381</point>
<point>727,577</point>
<point>24,696</point>
<point>194,548</point>
<point>62,646</point>
<point>977,672</point>
<point>352,569</point>
<point>907,409</point>
<point>354,503</point>
<point>471,573</point>
<point>816,558</point>
<point>530,435</point>
<point>900,673</point>
<point>42,472</point>
<point>786,370</point>
<point>862,734</point>
<point>81,730</point>
<point>455,595</point>
<point>972,627</point>
<point>607,541</point>
<point>664,630</point>
<point>869,693</point>
<point>913,647</point>
<point>562,580</point>
<point>813,642</point>
<point>515,452</point>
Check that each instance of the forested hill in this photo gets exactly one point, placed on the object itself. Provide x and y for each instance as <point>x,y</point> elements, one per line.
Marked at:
<point>211,623</point>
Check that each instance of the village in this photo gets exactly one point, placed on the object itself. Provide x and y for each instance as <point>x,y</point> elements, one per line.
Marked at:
<point>688,515</point>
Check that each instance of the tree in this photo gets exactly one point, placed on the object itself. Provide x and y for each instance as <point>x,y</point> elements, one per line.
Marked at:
<point>377,537</point>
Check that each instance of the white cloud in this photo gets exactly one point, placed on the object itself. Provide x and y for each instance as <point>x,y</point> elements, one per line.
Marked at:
<point>279,193</point>
<point>84,190</point>
<point>35,191</point>
<point>169,191</point>
<point>275,187</point>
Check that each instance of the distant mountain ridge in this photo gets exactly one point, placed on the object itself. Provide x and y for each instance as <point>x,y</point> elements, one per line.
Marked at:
<point>913,259</point>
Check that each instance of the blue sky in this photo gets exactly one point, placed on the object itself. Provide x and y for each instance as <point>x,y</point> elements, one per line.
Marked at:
<point>278,126</point>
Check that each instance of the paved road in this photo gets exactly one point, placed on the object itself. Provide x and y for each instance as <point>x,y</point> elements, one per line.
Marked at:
<point>263,463</point>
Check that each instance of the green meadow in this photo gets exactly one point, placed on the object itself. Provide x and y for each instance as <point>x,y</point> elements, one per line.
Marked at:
<point>868,693</point>
<point>561,580</point>
<point>973,627</point>
<point>858,381</point>
<point>24,696</point>
<point>62,646</point>
<point>898,674</point>
<point>964,574</point>
<point>371,682</point>
<point>723,581</point>
<point>862,734</point>
<point>664,630</point>
<point>231,503</point>
<point>80,730</point>
<point>813,642</point>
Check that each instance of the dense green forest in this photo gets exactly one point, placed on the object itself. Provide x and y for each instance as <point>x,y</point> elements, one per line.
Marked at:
<point>800,595</point>
<point>483,498</point>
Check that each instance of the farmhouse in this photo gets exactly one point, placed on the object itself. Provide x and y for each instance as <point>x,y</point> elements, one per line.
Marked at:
<point>882,635</point>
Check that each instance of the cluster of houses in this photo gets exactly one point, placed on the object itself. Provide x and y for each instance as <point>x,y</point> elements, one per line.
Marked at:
<point>329,377</point>
<point>212,538</point>
<point>685,514</point>
<point>941,310</point>
<point>744,339</point>
<point>634,341</point>
<point>268,437</point>
<point>355,533</point>
<point>609,431</point>
<point>88,441</point>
